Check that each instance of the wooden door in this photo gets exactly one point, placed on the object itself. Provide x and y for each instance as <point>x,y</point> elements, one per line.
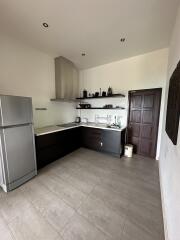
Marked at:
<point>143,120</point>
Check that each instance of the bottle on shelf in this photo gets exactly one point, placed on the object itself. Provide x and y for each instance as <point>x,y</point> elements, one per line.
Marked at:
<point>109,93</point>
<point>84,93</point>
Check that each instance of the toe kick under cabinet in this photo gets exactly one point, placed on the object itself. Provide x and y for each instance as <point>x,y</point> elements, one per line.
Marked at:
<point>52,146</point>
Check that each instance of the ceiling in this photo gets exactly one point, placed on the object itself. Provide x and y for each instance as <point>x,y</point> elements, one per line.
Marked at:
<point>91,26</point>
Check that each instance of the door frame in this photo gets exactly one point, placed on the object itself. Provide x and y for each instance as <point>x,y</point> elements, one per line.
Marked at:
<point>159,107</point>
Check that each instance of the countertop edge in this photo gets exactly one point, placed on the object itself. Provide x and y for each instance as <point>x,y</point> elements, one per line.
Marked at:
<point>80,125</point>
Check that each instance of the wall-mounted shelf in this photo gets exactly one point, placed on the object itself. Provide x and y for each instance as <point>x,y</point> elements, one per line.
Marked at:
<point>111,96</point>
<point>119,108</point>
<point>63,100</point>
<point>40,109</point>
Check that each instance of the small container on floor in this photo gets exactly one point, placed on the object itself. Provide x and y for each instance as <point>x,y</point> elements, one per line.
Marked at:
<point>128,150</point>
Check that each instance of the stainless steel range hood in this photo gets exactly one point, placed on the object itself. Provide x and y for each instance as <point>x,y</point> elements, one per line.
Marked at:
<point>66,80</point>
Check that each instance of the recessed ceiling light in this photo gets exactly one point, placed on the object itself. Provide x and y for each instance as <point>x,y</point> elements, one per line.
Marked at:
<point>83,54</point>
<point>122,40</point>
<point>45,25</point>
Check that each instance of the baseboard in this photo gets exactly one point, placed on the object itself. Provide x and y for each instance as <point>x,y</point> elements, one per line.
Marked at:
<point>163,207</point>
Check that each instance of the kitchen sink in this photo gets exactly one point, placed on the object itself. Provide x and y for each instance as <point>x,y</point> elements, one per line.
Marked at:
<point>68,125</point>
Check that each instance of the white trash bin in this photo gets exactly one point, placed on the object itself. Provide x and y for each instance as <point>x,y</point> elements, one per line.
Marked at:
<point>128,150</point>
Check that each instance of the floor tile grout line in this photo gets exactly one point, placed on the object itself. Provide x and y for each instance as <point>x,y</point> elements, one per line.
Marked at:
<point>38,213</point>
<point>77,163</point>
<point>32,205</point>
<point>10,231</point>
<point>58,196</point>
<point>58,232</point>
<point>92,224</point>
<point>83,201</point>
<point>29,202</point>
<point>85,198</point>
<point>76,209</point>
<point>109,235</point>
<point>125,220</point>
<point>83,166</point>
<point>87,195</point>
<point>71,184</point>
<point>44,217</point>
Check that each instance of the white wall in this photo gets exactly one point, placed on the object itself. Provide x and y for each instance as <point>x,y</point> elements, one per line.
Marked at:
<point>25,71</point>
<point>140,72</point>
<point>170,155</point>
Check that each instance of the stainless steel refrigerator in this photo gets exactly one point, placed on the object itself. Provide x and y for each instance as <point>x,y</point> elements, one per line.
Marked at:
<point>17,148</point>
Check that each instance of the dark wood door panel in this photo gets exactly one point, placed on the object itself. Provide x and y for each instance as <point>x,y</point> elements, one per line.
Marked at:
<point>137,101</point>
<point>146,131</point>
<point>148,101</point>
<point>145,147</point>
<point>143,120</point>
<point>147,116</point>
<point>135,116</point>
<point>135,142</point>
<point>134,129</point>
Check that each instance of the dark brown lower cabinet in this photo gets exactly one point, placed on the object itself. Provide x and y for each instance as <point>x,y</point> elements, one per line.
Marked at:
<point>112,142</point>
<point>47,155</point>
<point>91,138</point>
<point>52,146</point>
<point>109,141</point>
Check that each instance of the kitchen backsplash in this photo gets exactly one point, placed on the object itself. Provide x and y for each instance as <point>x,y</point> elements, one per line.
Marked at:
<point>55,113</point>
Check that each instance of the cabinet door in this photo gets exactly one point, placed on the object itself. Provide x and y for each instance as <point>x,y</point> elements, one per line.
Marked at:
<point>91,138</point>
<point>47,149</point>
<point>53,146</point>
<point>47,155</point>
<point>62,143</point>
<point>47,140</point>
<point>111,141</point>
<point>72,139</point>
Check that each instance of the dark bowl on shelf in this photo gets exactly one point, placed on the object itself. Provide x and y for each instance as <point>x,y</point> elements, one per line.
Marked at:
<point>85,105</point>
<point>96,94</point>
<point>108,106</point>
<point>103,94</point>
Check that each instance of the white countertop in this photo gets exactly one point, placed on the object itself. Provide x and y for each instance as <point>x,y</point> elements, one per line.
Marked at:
<point>55,128</point>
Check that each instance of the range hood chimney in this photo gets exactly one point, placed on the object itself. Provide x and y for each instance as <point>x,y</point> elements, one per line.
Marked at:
<point>66,80</point>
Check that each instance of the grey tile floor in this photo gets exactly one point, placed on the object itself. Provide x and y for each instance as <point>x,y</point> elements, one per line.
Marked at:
<point>86,196</point>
